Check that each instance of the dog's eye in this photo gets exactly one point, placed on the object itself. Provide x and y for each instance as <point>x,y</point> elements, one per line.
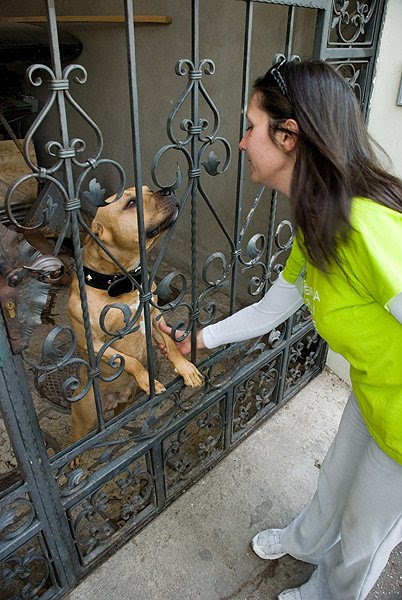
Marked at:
<point>131,203</point>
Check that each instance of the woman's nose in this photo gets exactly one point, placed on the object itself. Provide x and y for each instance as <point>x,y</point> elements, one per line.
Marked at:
<point>243,143</point>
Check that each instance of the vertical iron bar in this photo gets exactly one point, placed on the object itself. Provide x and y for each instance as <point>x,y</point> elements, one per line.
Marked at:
<point>195,43</point>
<point>133,87</point>
<point>241,159</point>
<point>321,33</point>
<point>289,31</point>
<point>158,471</point>
<point>271,227</point>
<point>68,171</point>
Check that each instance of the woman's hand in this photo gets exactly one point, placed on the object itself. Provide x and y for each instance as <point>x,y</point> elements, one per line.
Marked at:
<point>185,346</point>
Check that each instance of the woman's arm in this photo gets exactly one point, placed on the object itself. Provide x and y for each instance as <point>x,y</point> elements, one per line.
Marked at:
<point>281,301</point>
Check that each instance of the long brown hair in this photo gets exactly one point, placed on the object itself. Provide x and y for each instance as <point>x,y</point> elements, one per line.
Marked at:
<point>335,160</point>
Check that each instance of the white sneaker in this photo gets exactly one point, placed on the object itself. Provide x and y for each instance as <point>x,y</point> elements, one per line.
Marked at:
<point>267,544</point>
<point>293,594</point>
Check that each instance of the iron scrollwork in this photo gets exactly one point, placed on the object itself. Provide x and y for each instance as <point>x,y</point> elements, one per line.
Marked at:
<point>117,504</point>
<point>254,396</point>
<point>193,446</point>
<point>252,256</point>
<point>15,518</point>
<point>355,72</point>
<point>303,359</point>
<point>350,20</point>
<point>79,374</point>
<point>68,150</point>
<point>193,147</point>
<point>27,573</point>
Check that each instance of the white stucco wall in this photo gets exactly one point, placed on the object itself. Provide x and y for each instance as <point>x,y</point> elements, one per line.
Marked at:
<point>385,118</point>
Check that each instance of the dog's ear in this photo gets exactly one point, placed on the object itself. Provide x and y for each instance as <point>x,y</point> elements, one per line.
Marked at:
<point>100,231</point>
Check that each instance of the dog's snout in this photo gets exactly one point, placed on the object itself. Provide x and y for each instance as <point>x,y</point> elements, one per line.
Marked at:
<point>166,192</point>
<point>169,196</point>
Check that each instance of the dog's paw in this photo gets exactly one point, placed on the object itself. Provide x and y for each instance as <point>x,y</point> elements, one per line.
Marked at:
<point>143,384</point>
<point>159,387</point>
<point>75,463</point>
<point>191,375</point>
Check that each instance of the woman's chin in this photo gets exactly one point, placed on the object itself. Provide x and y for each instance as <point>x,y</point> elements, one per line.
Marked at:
<point>254,177</point>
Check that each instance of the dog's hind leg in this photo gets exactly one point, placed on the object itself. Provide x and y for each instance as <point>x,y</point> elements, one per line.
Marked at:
<point>83,416</point>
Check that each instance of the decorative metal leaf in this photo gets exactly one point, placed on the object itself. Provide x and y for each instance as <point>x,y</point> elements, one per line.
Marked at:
<point>166,292</point>
<point>7,518</point>
<point>211,165</point>
<point>49,209</point>
<point>345,7</point>
<point>96,194</point>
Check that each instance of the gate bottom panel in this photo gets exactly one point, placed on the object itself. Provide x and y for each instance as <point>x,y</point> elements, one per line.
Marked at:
<point>114,510</point>
<point>29,572</point>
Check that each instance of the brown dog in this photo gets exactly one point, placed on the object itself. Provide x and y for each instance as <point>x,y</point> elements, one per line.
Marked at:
<point>116,227</point>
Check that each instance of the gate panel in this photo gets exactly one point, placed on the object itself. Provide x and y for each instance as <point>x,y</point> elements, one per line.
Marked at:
<point>73,504</point>
<point>33,546</point>
<point>349,35</point>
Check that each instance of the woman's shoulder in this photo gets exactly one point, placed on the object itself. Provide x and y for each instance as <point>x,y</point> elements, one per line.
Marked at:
<point>367,215</point>
<point>376,229</point>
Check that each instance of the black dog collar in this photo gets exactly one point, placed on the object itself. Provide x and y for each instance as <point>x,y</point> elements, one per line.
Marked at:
<point>116,284</point>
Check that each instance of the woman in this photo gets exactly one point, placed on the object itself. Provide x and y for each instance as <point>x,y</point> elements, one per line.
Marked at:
<point>306,138</point>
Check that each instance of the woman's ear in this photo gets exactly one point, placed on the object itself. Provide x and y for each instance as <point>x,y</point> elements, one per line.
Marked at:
<point>288,135</point>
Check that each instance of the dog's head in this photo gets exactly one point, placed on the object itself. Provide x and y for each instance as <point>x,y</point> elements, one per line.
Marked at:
<point>116,224</point>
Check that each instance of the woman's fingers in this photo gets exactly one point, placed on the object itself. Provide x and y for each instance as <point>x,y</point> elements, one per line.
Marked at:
<point>165,328</point>
<point>184,347</point>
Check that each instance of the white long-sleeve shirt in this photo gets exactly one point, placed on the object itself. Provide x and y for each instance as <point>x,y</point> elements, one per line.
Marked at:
<point>281,301</point>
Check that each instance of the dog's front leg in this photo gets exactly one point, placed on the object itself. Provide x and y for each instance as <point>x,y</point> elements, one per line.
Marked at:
<point>133,367</point>
<point>184,367</point>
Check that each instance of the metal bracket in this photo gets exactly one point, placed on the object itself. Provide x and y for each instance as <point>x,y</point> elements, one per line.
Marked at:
<point>25,275</point>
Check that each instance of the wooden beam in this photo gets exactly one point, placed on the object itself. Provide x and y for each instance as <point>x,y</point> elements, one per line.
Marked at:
<point>156,19</point>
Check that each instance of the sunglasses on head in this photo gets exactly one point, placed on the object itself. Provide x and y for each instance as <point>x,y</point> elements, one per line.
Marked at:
<point>277,76</point>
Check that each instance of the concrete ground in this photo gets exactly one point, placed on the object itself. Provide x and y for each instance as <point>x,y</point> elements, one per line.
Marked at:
<point>198,549</point>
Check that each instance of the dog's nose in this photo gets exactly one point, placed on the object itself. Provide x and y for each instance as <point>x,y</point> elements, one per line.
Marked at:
<point>169,196</point>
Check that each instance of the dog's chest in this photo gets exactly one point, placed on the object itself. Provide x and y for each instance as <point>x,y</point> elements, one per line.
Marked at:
<point>141,321</point>
<point>116,314</point>
<point>119,318</point>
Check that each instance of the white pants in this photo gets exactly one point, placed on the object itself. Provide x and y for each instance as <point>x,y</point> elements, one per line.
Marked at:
<point>355,518</point>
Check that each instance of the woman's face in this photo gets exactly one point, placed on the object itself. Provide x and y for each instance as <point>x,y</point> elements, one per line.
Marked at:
<point>270,165</point>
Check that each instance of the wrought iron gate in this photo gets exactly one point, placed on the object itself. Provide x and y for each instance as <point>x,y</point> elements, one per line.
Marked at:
<point>58,519</point>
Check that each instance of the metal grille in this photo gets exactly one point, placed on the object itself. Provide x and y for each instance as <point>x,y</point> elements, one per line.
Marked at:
<point>58,517</point>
